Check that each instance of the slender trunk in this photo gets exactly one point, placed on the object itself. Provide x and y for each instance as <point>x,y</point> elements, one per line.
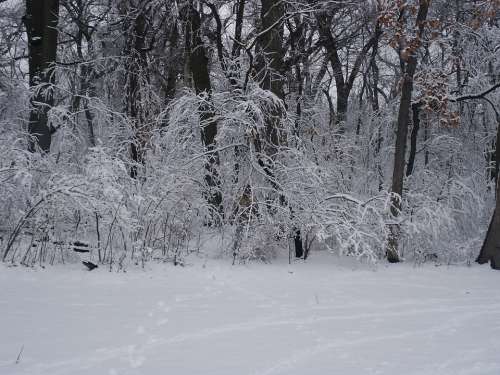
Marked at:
<point>88,90</point>
<point>375,70</point>
<point>300,93</point>
<point>375,74</point>
<point>410,66</point>
<point>238,28</point>
<point>399,166</point>
<point>234,71</point>
<point>98,233</point>
<point>343,84</point>
<point>413,139</point>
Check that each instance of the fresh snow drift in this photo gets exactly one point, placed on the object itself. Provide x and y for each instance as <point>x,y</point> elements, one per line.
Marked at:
<point>210,318</point>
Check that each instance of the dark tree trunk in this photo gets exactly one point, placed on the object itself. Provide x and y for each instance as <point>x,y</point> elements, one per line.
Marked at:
<point>413,138</point>
<point>298,244</point>
<point>272,66</point>
<point>198,67</point>
<point>173,69</point>
<point>85,91</point>
<point>41,25</point>
<point>342,105</point>
<point>490,251</point>
<point>137,75</point>
<point>330,44</point>
<point>234,69</point>
<point>374,69</point>
<point>399,166</point>
<point>343,84</point>
<point>410,66</point>
<point>375,75</point>
<point>238,29</point>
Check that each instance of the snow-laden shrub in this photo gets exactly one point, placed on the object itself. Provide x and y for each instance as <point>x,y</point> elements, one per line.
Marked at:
<point>68,196</point>
<point>332,187</point>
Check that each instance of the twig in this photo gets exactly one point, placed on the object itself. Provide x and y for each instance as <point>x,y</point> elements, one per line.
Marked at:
<point>18,359</point>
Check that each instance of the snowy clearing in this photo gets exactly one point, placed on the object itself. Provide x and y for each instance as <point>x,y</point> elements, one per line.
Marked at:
<point>323,317</point>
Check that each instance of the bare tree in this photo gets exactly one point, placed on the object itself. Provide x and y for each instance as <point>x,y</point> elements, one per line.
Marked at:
<point>333,44</point>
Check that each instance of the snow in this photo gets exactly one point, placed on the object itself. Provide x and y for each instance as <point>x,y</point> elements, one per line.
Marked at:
<point>326,316</point>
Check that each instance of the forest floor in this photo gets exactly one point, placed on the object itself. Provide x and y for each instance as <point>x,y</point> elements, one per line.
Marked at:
<point>327,316</point>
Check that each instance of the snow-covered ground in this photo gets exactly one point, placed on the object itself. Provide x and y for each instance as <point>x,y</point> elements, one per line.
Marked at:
<point>323,317</point>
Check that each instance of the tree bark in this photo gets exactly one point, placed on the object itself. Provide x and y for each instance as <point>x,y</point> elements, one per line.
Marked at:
<point>136,75</point>
<point>199,69</point>
<point>343,84</point>
<point>490,251</point>
<point>410,67</point>
<point>272,65</point>
<point>41,21</point>
<point>238,29</point>
<point>413,138</point>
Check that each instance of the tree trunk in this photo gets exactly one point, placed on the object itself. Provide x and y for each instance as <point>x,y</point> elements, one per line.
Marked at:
<point>399,166</point>
<point>198,67</point>
<point>137,75</point>
<point>413,139</point>
<point>272,65</point>
<point>343,84</point>
<point>402,132</point>
<point>490,251</point>
<point>342,105</point>
<point>41,26</point>
<point>238,28</point>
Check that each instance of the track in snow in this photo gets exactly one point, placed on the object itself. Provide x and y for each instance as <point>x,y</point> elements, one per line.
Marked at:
<point>315,318</point>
